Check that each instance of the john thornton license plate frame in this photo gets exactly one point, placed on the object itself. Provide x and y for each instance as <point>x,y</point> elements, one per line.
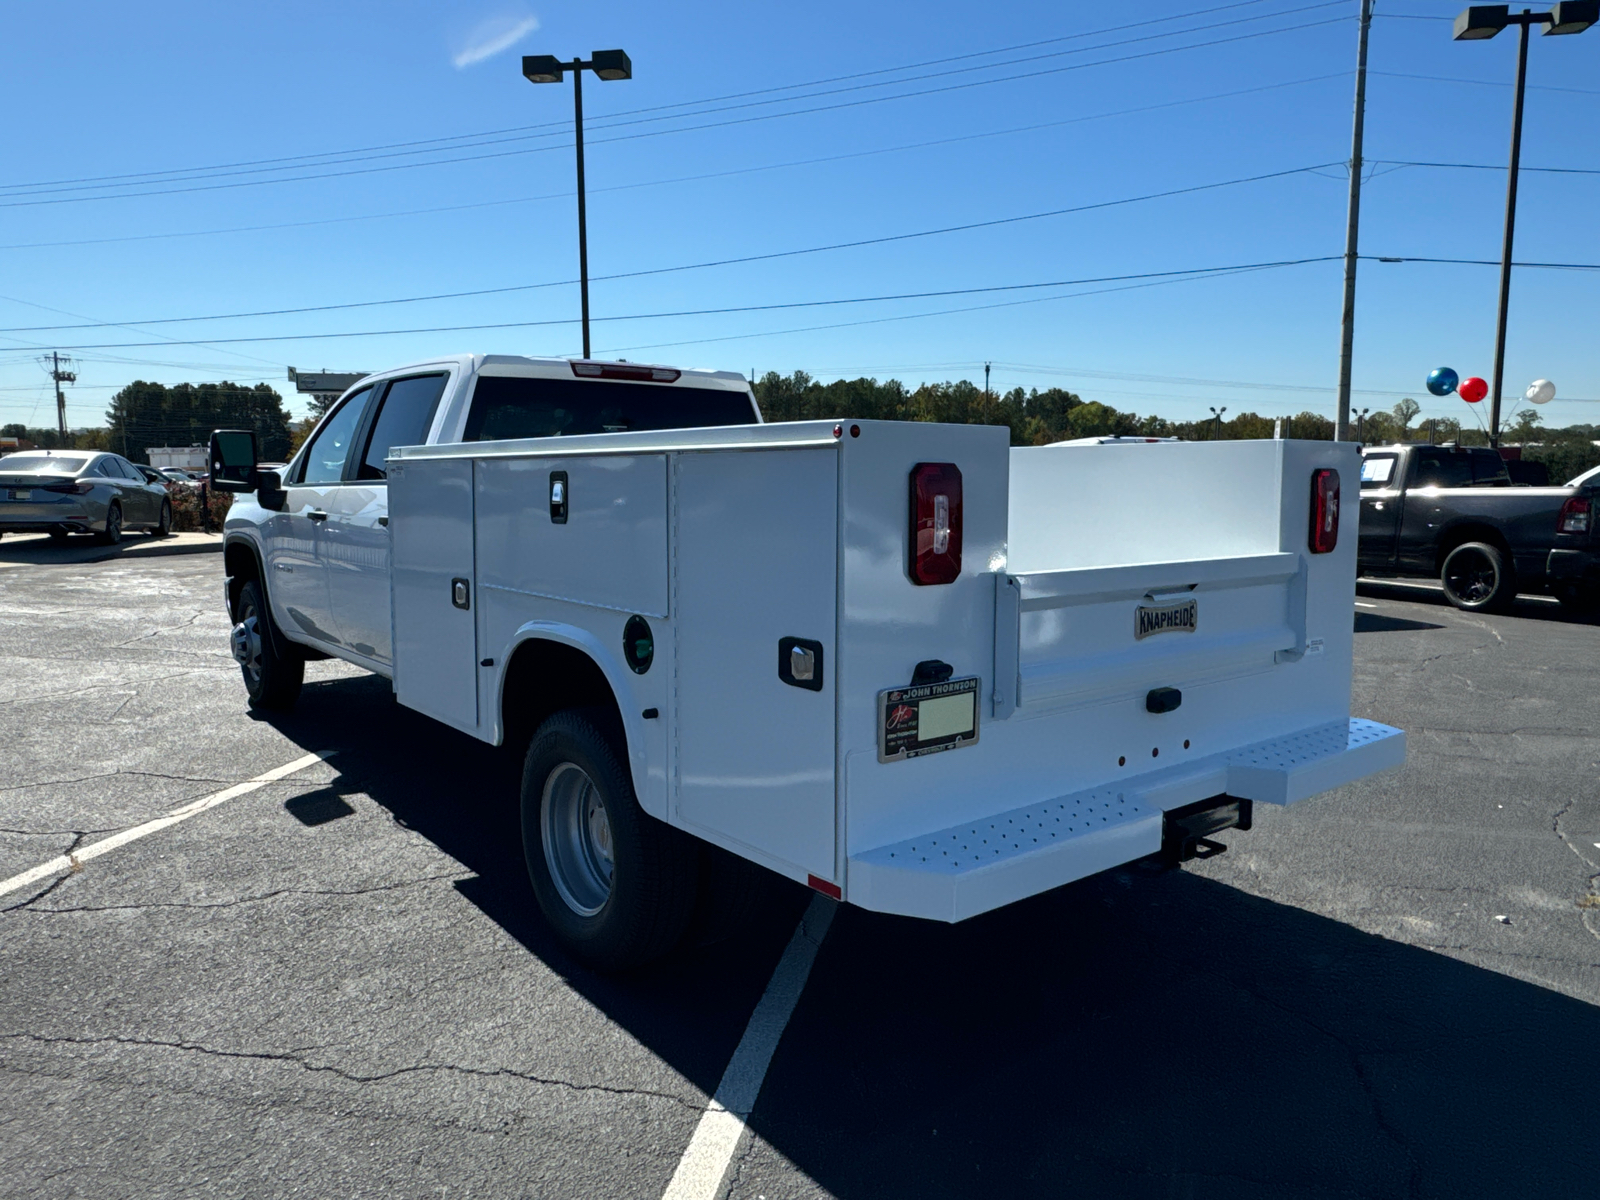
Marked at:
<point>906,713</point>
<point>1151,619</point>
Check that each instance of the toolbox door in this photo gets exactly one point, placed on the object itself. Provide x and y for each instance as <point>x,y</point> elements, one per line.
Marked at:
<point>434,589</point>
<point>755,573</point>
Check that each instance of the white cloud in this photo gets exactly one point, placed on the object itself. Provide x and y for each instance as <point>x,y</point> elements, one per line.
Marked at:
<point>492,36</point>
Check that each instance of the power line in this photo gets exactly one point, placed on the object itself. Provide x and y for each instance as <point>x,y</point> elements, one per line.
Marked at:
<point>1401,162</point>
<point>1532,87</point>
<point>851,245</point>
<point>167,175</point>
<point>684,129</point>
<point>751,308</point>
<point>803,162</point>
<point>1483,262</point>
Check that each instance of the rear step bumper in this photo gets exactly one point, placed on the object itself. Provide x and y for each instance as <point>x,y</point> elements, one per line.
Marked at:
<point>951,874</point>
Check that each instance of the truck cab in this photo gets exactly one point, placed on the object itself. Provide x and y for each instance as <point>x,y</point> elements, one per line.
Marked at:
<point>319,538</point>
<point>1453,513</point>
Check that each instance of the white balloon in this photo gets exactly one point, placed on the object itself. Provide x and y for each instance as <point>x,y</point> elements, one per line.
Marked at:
<point>1540,391</point>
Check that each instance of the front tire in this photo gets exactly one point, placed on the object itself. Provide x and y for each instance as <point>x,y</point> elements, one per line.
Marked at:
<point>616,885</point>
<point>1478,578</point>
<point>165,526</point>
<point>272,665</point>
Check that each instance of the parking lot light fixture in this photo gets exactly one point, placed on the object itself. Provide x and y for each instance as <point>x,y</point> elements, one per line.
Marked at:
<point>609,65</point>
<point>1484,21</point>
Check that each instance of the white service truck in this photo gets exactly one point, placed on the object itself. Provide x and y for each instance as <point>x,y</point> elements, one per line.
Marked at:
<point>906,664</point>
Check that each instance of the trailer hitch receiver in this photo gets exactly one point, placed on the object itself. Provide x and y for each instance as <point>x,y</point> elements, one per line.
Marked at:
<point>1186,832</point>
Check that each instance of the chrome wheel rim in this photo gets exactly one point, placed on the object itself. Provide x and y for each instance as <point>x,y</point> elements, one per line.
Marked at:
<point>1472,577</point>
<point>246,644</point>
<point>576,833</point>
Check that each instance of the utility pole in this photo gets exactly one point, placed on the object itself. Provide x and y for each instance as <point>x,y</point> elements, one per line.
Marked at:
<point>1347,321</point>
<point>60,374</point>
<point>985,381</point>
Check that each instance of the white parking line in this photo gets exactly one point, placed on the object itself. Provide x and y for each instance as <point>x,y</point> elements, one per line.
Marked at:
<point>75,860</point>
<point>1361,605</point>
<point>705,1162</point>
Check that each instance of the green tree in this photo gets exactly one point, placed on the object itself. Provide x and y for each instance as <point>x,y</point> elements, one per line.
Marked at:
<point>1404,413</point>
<point>150,414</point>
<point>16,430</point>
<point>1526,428</point>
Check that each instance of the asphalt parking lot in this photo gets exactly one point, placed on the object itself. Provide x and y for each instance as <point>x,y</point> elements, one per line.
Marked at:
<point>336,984</point>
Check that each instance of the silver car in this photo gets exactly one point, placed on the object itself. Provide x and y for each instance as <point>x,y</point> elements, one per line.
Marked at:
<point>61,492</point>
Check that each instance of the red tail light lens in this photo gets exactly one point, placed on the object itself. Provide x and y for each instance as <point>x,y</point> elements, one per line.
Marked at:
<point>636,371</point>
<point>1574,516</point>
<point>1324,510</point>
<point>935,523</point>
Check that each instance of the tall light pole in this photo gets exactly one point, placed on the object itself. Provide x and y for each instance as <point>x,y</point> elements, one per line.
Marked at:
<point>1484,21</point>
<point>1347,320</point>
<point>547,68</point>
<point>1217,413</point>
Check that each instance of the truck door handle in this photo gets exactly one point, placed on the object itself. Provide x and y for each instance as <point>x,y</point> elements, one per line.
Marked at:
<point>316,514</point>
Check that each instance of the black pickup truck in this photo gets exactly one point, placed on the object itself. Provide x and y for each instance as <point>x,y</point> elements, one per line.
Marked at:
<point>1452,512</point>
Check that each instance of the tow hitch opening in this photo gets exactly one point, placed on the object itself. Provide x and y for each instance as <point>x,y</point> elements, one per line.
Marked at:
<point>1186,832</point>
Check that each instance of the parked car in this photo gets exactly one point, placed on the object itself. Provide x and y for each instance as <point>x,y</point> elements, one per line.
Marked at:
<point>62,492</point>
<point>1452,512</point>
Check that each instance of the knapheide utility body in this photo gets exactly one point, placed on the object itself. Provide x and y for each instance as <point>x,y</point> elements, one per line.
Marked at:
<point>906,664</point>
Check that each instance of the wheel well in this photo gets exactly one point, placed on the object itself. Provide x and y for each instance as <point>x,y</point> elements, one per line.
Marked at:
<point>240,565</point>
<point>1458,535</point>
<point>545,677</point>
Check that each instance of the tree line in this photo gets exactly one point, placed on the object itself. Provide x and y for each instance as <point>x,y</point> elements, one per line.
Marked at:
<point>151,414</point>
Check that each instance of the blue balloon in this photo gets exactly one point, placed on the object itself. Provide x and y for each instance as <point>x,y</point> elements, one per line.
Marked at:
<point>1442,381</point>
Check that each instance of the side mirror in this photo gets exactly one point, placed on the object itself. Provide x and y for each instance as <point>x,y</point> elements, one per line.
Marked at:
<point>269,489</point>
<point>233,460</point>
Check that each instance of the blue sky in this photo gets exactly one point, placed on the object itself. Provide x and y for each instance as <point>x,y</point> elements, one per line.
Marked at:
<point>752,130</point>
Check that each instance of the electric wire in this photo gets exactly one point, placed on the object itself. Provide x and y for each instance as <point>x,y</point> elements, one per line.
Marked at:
<point>767,257</point>
<point>174,174</point>
<point>684,129</point>
<point>736,171</point>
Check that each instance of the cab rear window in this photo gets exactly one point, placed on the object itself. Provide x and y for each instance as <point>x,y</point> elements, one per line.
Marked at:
<point>506,407</point>
<point>1377,470</point>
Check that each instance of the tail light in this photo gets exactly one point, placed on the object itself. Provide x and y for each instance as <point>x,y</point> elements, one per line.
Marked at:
<point>72,487</point>
<point>935,523</point>
<point>636,371</point>
<point>1574,516</point>
<point>1324,510</point>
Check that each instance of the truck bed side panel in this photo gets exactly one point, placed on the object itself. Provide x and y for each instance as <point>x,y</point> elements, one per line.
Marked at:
<point>611,552</point>
<point>755,561</point>
<point>435,639</point>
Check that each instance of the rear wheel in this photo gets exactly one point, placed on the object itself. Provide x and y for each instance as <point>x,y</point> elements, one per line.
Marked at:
<point>272,665</point>
<point>113,530</point>
<point>1477,578</point>
<point>616,885</point>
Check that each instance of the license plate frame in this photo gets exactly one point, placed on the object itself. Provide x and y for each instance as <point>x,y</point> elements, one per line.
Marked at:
<point>1151,620</point>
<point>904,706</point>
<point>21,493</point>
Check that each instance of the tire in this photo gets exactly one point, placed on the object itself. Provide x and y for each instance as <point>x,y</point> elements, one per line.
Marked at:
<point>272,665</point>
<point>616,885</point>
<point>1478,578</point>
<point>165,526</point>
<point>113,530</point>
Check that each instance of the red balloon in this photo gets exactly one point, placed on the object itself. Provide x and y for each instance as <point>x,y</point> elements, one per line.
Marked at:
<point>1472,389</point>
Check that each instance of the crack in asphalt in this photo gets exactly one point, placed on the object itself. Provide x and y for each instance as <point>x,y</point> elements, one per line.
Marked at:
<point>17,787</point>
<point>77,841</point>
<point>294,1057</point>
<point>454,876</point>
<point>189,624</point>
